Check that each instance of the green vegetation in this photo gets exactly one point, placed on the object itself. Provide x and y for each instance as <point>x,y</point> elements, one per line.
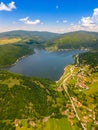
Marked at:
<point>28,98</point>
<point>75,40</point>
<point>10,53</point>
<point>60,124</point>
<point>51,124</point>
<point>25,41</point>
<point>24,93</point>
<point>9,40</point>
<point>35,35</point>
<point>35,103</point>
<point>81,83</point>
<point>28,103</point>
<point>15,44</point>
<point>89,58</point>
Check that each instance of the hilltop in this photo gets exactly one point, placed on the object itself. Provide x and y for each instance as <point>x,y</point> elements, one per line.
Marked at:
<point>42,35</point>
<point>72,40</point>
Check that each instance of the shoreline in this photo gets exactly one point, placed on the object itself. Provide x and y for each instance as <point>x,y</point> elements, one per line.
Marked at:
<point>24,56</point>
<point>20,58</point>
<point>6,66</point>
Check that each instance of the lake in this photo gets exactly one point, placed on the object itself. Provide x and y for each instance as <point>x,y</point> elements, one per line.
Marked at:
<point>45,64</point>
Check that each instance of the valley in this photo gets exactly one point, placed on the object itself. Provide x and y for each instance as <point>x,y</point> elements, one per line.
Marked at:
<point>37,103</point>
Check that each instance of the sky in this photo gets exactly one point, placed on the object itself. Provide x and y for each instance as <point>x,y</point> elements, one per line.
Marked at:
<point>58,16</point>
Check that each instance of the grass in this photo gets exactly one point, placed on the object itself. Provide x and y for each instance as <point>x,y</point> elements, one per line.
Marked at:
<point>9,40</point>
<point>59,124</point>
<point>11,82</point>
<point>52,124</point>
<point>93,88</point>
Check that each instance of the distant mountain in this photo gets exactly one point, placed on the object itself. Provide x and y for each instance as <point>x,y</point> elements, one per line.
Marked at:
<point>52,41</point>
<point>21,33</point>
<point>74,40</point>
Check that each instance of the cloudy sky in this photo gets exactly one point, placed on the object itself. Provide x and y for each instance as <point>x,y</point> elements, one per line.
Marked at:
<point>49,15</point>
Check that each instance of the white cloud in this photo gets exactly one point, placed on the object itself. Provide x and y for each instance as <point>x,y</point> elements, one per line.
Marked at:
<point>24,19</point>
<point>92,21</point>
<point>87,22</point>
<point>7,7</point>
<point>29,22</point>
<point>33,22</point>
<point>95,12</point>
<point>64,21</point>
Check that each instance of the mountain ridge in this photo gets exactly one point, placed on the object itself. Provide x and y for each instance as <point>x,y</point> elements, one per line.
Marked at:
<point>75,40</point>
<point>23,33</point>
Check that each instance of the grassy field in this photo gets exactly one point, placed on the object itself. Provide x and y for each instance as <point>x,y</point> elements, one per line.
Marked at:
<point>59,124</point>
<point>52,124</point>
<point>4,41</point>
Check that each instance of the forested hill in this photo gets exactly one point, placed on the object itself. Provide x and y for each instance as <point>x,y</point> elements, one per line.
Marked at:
<point>28,99</point>
<point>52,41</point>
<point>33,34</point>
<point>15,44</point>
<point>75,40</point>
<point>89,58</point>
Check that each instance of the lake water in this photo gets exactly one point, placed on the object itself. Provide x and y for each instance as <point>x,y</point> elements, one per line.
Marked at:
<point>45,64</point>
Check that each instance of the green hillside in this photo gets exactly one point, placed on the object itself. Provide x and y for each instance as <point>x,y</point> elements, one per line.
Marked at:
<point>30,99</point>
<point>90,58</point>
<point>33,34</point>
<point>75,40</point>
<point>53,41</point>
<point>10,53</point>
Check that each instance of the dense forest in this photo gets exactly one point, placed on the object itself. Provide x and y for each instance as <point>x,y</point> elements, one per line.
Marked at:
<point>75,40</point>
<point>10,53</point>
<point>28,98</point>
